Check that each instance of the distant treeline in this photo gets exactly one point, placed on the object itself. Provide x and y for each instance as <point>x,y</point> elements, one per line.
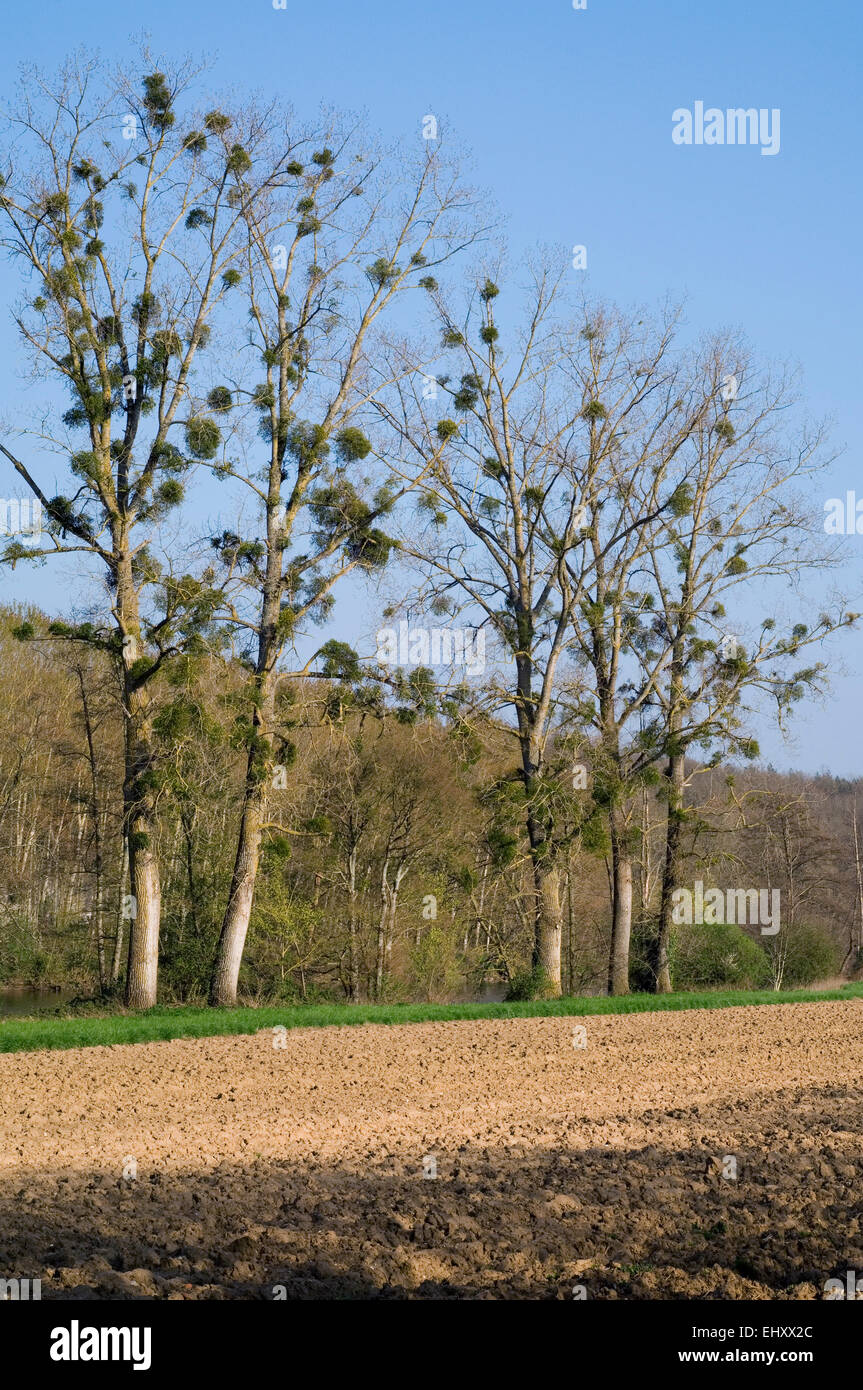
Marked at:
<point>390,872</point>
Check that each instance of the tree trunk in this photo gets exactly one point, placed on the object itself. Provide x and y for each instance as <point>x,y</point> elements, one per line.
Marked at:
<point>382,930</point>
<point>97,830</point>
<point>570,944</point>
<point>118,940</point>
<point>145,906</point>
<point>353,953</point>
<point>547,912</point>
<point>235,925</point>
<point>855,935</point>
<point>238,913</point>
<point>143,967</point>
<point>391,918</point>
<point>621,920</point>
<point>674,776</point>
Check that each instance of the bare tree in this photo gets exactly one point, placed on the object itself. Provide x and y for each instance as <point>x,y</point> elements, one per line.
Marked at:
<point>121,211</point>
<point>342,240</point>
<point>744,534</point>
<point>643,406</point>
<point>509,490</point>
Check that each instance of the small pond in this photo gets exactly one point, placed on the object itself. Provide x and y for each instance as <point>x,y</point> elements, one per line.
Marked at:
<point>16,1001</point>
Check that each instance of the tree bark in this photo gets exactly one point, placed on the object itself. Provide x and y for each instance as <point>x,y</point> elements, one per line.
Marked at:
<point>235,924</point>
<point>621,922</point>
<point>144,918</point>
<point>353,953</point>
<point>97,830</point>
<point>547,910</point>
<point>382,930</point>
<point>118,940</point>
<point>855,934</point>
<point>674,777</point>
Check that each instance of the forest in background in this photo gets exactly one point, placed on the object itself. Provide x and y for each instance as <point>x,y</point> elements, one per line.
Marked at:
<point>396,845</point>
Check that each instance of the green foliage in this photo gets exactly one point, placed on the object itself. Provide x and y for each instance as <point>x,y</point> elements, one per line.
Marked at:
<point>705,956</point>
<point>203,437</point>
<point>351,444</point>
<point>725,430</point>
<point>169,493</point>
<point>309,445</point>
<point>339,510</point>
<point>238,161</point>
<point>166,343</point>
<point>22,959</point>
<point>85,169</point>
<point>528,984</point>
<point>806,953</point>
<point>468,394</point>
<point>339,661</point>
<point>503,845</point>
<point>418,691</point>
<point>145,308</point>
<point>681,501</point>
<point>434,967</point>
<point>220,398</point>
<point>198,217</point>
<point>217,122</point>
<point>382,272</point>
<point>157,101</point>
<point>195,142</point>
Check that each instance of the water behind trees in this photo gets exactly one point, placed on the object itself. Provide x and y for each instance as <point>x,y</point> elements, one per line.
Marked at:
<point>18,1002</point>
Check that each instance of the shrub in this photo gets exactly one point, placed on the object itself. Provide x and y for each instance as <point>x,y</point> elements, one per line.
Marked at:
<point>808,955</point>
<point>711,957</point>
<point>641,977</point>
<point>434,966</point>
<point>528,984</point>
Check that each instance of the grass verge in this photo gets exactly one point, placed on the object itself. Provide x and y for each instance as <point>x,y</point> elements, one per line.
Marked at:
<point>163,1024</point>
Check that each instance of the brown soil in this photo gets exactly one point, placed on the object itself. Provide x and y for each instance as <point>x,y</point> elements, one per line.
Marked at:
<point>557,1166</point>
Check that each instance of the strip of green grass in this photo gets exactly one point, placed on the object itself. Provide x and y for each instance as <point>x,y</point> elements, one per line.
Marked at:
<point>28,1035</point>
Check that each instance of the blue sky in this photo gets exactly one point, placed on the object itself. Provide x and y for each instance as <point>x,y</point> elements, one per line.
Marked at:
<point>567,116</point>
